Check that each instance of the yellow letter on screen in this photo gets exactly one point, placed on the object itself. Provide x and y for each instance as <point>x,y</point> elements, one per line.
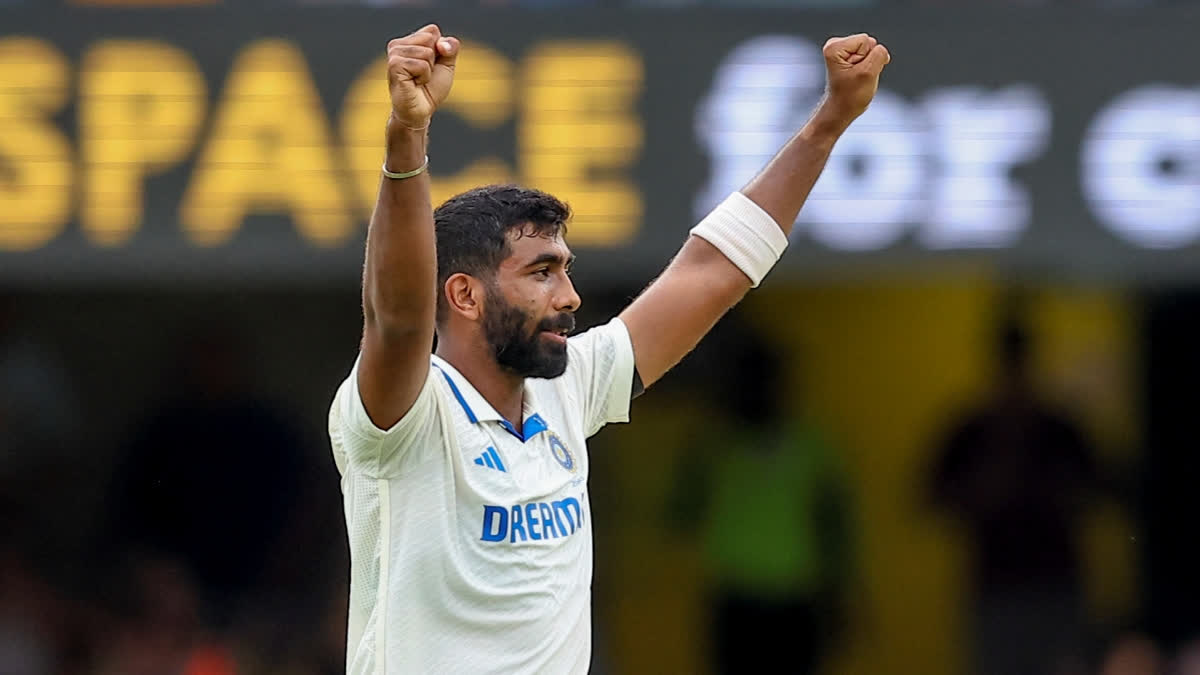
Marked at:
<point>482,97</point>
<point>269,152</point>
<point>579,135</point>
<point>35,157</point>
<point>141,104</point>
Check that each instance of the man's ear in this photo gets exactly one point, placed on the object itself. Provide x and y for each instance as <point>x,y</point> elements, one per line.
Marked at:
<point>465,296</point>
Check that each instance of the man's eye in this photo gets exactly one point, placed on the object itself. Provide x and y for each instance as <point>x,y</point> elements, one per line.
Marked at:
<point>543,272</point>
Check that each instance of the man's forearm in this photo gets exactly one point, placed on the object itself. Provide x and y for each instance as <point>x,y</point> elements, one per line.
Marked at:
<point>736,245</point>
<point>783,185</point>
<point>400,267</point>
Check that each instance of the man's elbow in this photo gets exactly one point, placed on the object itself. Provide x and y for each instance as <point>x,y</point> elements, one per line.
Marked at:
<point>711,268</point>
<point>397,316</point>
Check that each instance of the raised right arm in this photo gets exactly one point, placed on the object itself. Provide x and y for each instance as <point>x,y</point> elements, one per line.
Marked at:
<point>399,293</point>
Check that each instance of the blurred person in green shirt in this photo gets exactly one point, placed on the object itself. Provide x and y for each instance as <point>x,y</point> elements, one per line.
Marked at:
<point>765,488</point>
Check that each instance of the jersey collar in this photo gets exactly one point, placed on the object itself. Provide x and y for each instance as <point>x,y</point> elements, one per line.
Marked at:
<point>480,411</point>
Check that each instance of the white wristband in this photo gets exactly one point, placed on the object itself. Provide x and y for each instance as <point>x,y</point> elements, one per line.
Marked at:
<point>745,234</point>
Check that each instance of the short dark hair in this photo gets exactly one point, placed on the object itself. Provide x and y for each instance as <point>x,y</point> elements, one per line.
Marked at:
<point>472,229</point>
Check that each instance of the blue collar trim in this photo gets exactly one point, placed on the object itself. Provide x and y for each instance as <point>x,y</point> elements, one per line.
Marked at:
<point>458,395</point>
<point>534,424</point>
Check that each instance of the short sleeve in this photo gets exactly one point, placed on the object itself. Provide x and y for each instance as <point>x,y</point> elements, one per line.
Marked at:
<point>600,373</point>
<point>358,443</point>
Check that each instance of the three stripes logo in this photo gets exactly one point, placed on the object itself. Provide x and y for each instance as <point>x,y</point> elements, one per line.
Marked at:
<point>490,459</point>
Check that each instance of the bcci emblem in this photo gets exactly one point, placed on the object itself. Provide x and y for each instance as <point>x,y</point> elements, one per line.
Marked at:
<point>561,453</point>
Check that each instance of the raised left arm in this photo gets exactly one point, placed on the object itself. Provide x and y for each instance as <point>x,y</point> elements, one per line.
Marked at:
<point>702,283</point>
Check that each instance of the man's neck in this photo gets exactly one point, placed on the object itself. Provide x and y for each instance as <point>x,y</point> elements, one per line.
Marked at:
<point>504,391</point>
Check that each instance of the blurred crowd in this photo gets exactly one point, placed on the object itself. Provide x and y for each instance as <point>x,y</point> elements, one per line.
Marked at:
<point>773,509</point>
<point>205,541</point>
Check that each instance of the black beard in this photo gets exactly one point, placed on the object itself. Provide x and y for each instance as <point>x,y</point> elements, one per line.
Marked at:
<point>519,351</point>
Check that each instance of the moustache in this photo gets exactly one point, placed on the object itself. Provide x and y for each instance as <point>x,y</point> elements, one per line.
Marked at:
<point>562,322</point>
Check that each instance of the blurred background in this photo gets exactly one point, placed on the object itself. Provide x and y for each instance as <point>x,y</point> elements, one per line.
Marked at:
<point>954,431</point>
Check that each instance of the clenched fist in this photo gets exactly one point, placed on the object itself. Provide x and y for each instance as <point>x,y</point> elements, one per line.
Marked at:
<point>420,71</point>
<point>853,64</point>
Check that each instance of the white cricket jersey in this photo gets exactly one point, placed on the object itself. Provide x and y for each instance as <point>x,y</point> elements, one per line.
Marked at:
<point>471,540</point>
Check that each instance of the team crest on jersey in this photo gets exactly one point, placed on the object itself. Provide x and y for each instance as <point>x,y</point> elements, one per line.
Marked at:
<point>560,452</point>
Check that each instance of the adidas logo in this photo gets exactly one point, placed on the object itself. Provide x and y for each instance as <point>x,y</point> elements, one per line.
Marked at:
<point>491,460</point>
